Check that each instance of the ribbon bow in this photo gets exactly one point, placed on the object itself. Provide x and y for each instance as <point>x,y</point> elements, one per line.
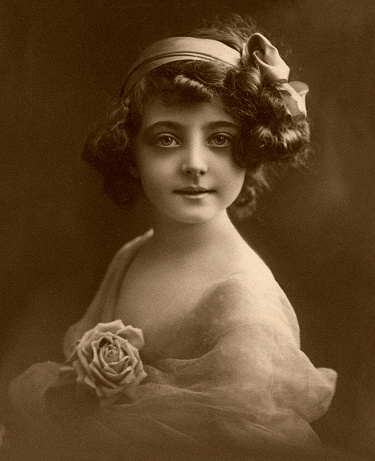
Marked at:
<point>260,52</point>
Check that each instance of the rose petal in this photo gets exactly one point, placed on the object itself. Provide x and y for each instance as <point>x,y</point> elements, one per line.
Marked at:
<point>118,378</point>
<point>100,329</point>
<point>117,342</point>
<point>81,371</point>
<point>133,335</point>
<point>141,375</point>
<point>114,366</point>
<point>138,368</point>
<point>95,357</point>
<point>114,352</point>
<point>111,353</point>
<point>129,349</point>
<point>110,327</point>
<point>113,375</point>
<point>119,367</point>
<point>82,360</point>
<point>107,375</point>
<point>100,378</point>
<point>89,382</point>
<point>128,378</point>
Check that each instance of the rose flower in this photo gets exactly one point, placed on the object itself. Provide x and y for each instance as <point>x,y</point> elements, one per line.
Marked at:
<point>107,360</point>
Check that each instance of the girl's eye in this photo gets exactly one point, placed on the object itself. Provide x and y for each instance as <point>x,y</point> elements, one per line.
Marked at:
<point>221,140</point>
<point>165,140</point>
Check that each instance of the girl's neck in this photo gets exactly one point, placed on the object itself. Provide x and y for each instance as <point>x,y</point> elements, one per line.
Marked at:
<point>178,238</point>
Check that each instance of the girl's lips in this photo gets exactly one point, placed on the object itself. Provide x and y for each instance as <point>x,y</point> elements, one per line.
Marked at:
<point>194,193</point>
<point>193,190</point>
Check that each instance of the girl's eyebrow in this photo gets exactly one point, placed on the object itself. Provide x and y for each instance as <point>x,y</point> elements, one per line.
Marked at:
<point>163,124</point>
<point>222,123</point>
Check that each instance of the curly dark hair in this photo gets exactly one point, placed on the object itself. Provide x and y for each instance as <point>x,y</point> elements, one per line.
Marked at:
<point>268,138</point>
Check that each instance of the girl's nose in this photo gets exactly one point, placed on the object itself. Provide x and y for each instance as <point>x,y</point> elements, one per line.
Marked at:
<point>194,163</point>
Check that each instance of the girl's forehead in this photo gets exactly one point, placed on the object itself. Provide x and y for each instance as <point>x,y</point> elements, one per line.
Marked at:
<point>186,112</point>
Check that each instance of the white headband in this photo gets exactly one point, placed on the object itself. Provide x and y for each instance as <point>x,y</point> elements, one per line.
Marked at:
<point>179,49</point>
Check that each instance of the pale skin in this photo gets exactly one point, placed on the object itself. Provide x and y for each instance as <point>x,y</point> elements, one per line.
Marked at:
<point>195,245</point>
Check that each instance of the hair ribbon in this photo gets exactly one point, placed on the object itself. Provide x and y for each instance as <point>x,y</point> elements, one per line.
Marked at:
<point>260,52</point>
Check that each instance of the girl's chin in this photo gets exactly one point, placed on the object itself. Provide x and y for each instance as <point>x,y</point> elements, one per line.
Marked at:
<point>192,218</point>
<point>189,211</point>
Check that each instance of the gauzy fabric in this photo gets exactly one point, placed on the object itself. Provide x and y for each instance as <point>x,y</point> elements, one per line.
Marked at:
<point>227,381</point>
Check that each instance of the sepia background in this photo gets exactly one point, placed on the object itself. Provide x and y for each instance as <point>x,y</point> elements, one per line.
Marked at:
<point>63,62</point>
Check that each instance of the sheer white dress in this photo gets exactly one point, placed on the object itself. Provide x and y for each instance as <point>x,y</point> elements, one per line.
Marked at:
<point>227,381</point>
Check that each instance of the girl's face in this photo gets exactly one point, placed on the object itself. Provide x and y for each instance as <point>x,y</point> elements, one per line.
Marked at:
<point>184,158</point>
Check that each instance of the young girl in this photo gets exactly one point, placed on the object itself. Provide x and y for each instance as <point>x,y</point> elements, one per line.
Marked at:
<point>190,347</point>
